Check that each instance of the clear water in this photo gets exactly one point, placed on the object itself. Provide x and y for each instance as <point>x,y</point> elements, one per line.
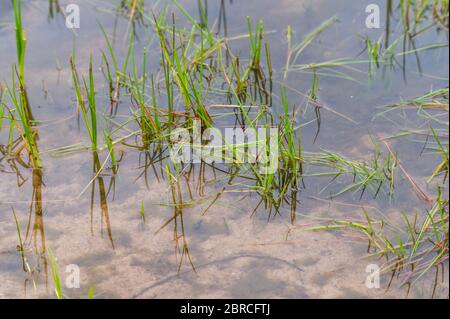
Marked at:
<point>235,254</point>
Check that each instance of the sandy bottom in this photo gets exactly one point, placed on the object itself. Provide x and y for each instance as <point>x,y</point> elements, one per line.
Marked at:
<point>234,255</point>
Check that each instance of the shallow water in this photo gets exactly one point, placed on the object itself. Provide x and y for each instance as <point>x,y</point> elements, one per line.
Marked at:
<point>235,254</point>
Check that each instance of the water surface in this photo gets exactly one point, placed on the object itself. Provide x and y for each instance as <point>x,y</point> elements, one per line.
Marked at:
<point>235,254</point>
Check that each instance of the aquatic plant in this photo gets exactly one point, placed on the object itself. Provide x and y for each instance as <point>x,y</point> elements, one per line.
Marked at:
<point>23,123</point>
<point>21,39</point>
<point>55,275</point>
<point>88,112</point>
<point>410,253</point>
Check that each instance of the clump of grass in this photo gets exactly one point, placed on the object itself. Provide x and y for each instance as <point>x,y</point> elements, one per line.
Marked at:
<point>21,248</point>
<point>91,293</point>
<point>414,15</point>
<point>21,45</point>
<point>148,121</point>
<point>89,112</point>
<point>23,124</point>
<point>410,254</point>
<point>291,157</point>
<point>97,169</point>
<point>375,175</point>
<point>177,64</point>
<point>440,13</point>
<point>412,251</point>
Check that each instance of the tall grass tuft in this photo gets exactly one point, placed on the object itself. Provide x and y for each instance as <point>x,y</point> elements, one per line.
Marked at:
<point>89,112</point>
<point>21,39</point>
<point>23,124</point>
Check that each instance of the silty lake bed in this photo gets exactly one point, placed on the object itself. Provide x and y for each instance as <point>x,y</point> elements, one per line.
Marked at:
<point>362,116</point>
